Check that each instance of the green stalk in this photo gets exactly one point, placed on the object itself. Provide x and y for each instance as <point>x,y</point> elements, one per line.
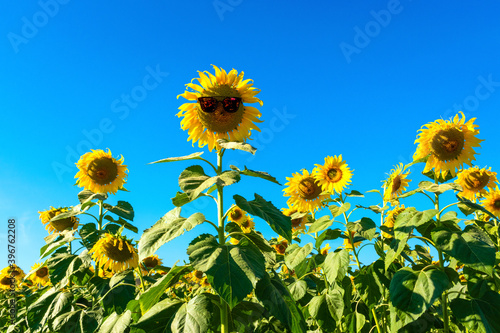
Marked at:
<point>376,320</point>
<point>224,322</point>
<point>444,297</point>
<point>99,227</point>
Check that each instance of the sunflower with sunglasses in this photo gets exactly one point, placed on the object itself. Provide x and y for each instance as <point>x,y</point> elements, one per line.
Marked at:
<point>217,108</point>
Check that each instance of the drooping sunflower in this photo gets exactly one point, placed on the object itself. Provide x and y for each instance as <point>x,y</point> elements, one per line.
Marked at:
<point>304,191</point>
<point>324,251</point>
<point>115,253</point>
<point>57,225</point>
<point>491,201</point>
<point>396,183</point>
<point>217,108</point>
<point>449,144</point>
<point>348,244</point>
<point>390,218</point>
<point>334,175</point>
<point>236,215</point>
<point>298,224</point>
<point>281,245</point>
<point>41,276</point>
<point>247,225</point>
<point>475,181</point>
<point>11,274</point>
<point>149,263</point>
<point>100,172</point>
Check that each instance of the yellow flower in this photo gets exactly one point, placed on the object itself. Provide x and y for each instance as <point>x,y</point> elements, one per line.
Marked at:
<point>115,253</point>
<point>449,144</point>
<point>324,251</point>
<point>105,274</point>
<point>462,278</point>
<point>224,116</point>
<point>99,172</point>
<point>236,215</point>
<point>11,274</point>
<point>304,191</point>
<point>234,241</point>
<point>281,245</point>
<point>390,218</point>
<point>334,175</point>
<point>491,201</point>
<point>196,276</point>
<point>396,183</point>
<point>298,224</point>
<point>347,242</point>
<point>149,263</point>
<point>247,225</point>
<point>5,281</point>
<point>57,225</point>
<point>41,276</point>
<point>475,181</point>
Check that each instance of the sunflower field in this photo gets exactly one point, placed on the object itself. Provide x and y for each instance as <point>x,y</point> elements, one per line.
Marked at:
<point>436,269</point>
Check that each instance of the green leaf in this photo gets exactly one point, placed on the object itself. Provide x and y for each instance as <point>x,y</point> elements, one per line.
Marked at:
<point>47,307</point>
<point>63,265</point>
<point>236,145</point>
<point>368,286</point>
<point>122,222</point>
<point>256,239</point>
<point>122,209</point>
<point>121,291</point>
<point>320,224</point>
<point>192,177</point>
<point>365,227</point>
<point>328,234</point>
<point>374,208</point>
<point>336,264</point>
<point>475,206</point>
<point>194,316</point>
<point>116,323</point>
<point>410,193</point>
<point>89,235</point>
<point>413,292</point>
<point>193,156</point>
<point>157,318</point>
<point>339,210</point>
<point>472,247</point>
<point>438,188</point>
<point>479,315</point>
<point>295,254</point>
<point>335,303</point>
<point>165,230</point>
<point>55,241</point>
<point>245,314</point>
<point>319,310</point>
<point>280,223</point>
<point>232,270</point>
<point>298,289</point>
<point>66,322</point>
<point>181,199</point>
<point>153,294</point>
<point>87,195</point>
<point>258,174</point>
<point>355,193</point>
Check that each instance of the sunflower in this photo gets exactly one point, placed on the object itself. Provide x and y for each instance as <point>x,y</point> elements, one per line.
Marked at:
<point>105,274</point>
<point>324,251</point>
<point>281,245</point>
<point>334,175</point>
<point>474,181</point>
<point>448,144</point>
<point>298,224</point>
<point>11,274</point>
<point>247,225</point>
<point>220,123</point>
<point>149,263</point>
<point>236,215</point>
<point>396,183</point>
<point>6,281</point>
<point>115,253</point>
<point>390,218</point>
<point>41,276</point>
<point>304,191</point>
<point>196,276</point>
<point>491,201</point>
<point>99,172</point>
<point>57,225</point>
<point>347,242</point>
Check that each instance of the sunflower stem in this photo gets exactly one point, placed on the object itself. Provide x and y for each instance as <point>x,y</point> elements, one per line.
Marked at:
<point>140,277</point>
<point>222,240</point>
<point>99,227</point>
<point>376,320</point>
<point>444,296</point>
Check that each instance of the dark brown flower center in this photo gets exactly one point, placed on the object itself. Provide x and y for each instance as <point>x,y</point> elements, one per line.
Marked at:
<point>6,281</point>
<point>113,251</point>
<point>246,223</point>
<point>236,214</point>
<point>309,189</point>
<point>103,170</point>
<point>14,272</point>
<point>335,174</point>
<point>198,274</point>
<point>296,222</point>
<point>476,180</point>
<point>396,184</point>
<point>42,272</point>
<point>447,144</point>
<point>496,204</point>
<point>221,121</point>
<point>281,248</point>
<point>150,262</point>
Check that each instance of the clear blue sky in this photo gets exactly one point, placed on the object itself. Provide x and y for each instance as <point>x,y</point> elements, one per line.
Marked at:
<point>351,78</point>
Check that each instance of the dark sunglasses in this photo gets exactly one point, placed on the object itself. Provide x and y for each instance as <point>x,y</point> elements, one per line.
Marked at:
<point>209,104</point>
